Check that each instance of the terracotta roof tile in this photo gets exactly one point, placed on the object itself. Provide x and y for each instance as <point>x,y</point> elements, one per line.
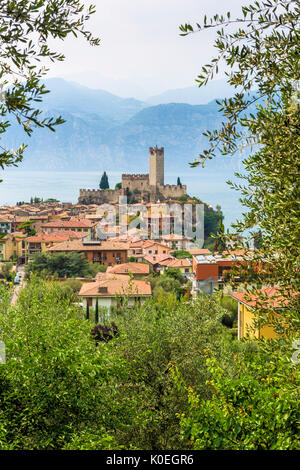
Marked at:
<point>268,297</point>
<point>112,287</point>
<point>76,245</point>
<point>134,268</point>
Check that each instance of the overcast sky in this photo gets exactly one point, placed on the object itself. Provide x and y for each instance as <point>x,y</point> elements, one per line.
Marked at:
<point>140,43</point>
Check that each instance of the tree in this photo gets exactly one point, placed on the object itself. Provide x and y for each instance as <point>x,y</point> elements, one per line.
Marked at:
<point>97,313</point>
<point>27,227</point>
<point>254,410</point>
<point>179,182</point>
<point>181,254</point>
<point>6,271</point>
<point>60,264</point>
<point>255,407</point>
<point>26,31</point>
<point>104,184</point>
<point>118,186</point>
<point>262,65</point>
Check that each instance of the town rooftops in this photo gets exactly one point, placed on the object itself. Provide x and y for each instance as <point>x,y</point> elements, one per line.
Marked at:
<point>157,259</point>
<point>72,223</point>
<point>113,287</point>
<point>78,245</point>
<point>58,236</point>
<point>199,251</point>
<point>125,268</point>
<point>177,263</point>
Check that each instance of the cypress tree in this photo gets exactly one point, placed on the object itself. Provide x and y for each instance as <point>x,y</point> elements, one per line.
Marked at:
<point>104,184</point>
<point>97,313</point>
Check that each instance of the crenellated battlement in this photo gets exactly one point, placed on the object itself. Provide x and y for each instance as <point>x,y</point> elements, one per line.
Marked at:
<point>136,177</point>
<point>156,151</point>
<point>145,187</point>
<point>172,187</point>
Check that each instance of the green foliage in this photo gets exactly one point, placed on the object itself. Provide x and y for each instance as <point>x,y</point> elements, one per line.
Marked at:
<point>51,199</point>
<point>256,406</point>
<point>60,265</point>
<point>152,339</point>
<point>27,227</point>
<point>263,115</point>
<point>97,312</point>
<point>181,254</point>
<point>27,29</point>
<point>55,384</point>
<point>6,269</point>
<point>256,409</point>
<point>73,284</point>
<point>118,186</point>
<point>95,268</point>
<point>104,184</point>
<point>164,284</point>
<point>179,182</point>
<point>59,391</point>
<point>176,274</point>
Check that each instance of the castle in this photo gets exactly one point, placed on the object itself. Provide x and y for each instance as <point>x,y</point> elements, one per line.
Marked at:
<point>138,188</point>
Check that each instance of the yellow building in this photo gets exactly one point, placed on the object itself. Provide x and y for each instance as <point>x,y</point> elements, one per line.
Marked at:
<point>12,246</point>
<point>248,303</point>
<point>184,265</point>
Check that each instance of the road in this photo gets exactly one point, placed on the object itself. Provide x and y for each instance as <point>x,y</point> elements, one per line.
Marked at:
<point>18,287</point>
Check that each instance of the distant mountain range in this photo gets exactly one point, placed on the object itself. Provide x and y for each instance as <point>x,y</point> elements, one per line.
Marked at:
<point>194,95</point>
<point>106,132</point>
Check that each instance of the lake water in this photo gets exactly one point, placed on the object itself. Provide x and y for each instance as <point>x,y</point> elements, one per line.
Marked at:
<point>210,186</point>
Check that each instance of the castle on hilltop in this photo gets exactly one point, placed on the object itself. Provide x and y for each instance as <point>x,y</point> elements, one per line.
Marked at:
<point>140,188</point>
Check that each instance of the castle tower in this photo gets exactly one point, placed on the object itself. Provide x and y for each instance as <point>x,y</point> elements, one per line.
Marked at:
<point>156,166</point>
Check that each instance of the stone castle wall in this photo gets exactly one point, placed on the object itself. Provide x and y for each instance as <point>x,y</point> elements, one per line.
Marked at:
<point>132,182</point>
<point>99,196</point>
<point>146,187</point>
<point>171,191</point>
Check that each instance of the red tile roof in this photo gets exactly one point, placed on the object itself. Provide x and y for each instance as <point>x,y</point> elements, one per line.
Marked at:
<point>76,245</point>
<point>177,263</point>
<point>157,259</point>
<point>199,251</point>
<point>72,223</point>
<point>134,268</point>
<point>113,287</point>
<point>58,236</point>
<point>268,297</point>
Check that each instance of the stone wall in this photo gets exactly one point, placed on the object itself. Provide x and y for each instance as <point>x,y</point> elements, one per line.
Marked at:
<point>171,191</point>
<point>132,182</point>
<point>99,196</point>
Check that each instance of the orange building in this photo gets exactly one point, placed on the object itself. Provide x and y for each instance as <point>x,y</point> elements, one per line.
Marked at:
<point>103,252</point>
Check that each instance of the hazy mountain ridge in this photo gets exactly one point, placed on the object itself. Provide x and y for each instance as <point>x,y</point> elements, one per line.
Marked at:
<point>106,132</point>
